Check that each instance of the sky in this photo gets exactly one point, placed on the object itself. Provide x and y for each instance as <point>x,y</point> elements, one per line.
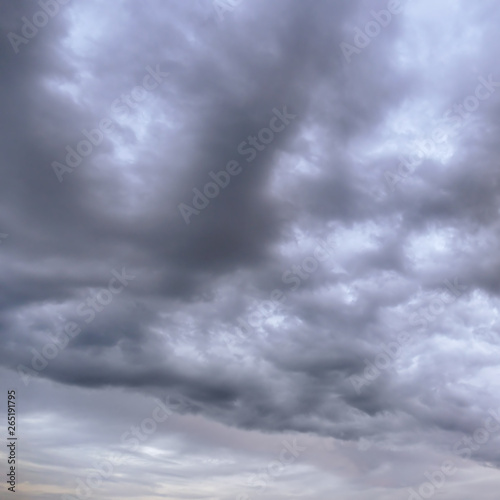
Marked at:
<point>249,249</point>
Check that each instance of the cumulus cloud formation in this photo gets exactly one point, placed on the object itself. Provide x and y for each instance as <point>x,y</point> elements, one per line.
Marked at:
<point>250,248</point>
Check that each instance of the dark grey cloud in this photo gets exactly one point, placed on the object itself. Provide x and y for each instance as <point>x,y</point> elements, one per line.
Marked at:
<point>319,238</point>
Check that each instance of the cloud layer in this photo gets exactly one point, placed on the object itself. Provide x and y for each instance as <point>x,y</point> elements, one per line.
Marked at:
<point>282,214</point>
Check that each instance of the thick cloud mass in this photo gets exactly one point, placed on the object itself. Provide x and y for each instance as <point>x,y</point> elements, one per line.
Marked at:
<point>338,283</point>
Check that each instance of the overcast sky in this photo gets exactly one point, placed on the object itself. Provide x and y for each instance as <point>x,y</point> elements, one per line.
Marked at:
<point>262,237</point>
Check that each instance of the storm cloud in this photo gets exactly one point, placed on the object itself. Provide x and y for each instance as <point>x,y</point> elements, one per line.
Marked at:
<point>281,216</point>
